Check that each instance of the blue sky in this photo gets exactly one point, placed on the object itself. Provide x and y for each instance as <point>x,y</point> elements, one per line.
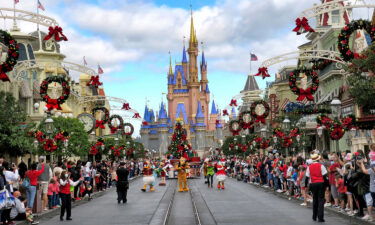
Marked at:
<point>131,39</point>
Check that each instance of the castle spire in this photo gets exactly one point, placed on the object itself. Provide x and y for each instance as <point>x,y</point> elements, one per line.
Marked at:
<point>184,58</point>
<point>170,64</point>
<point>193,37</point>
<point>213,108</point>
<point>199,111</point>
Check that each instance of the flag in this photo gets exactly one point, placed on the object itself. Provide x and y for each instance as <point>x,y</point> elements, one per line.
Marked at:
<point>100,70</point>
<point>16,1</point>
<point>84,61</point>
<point>40,6</point>
<point>253,57</point>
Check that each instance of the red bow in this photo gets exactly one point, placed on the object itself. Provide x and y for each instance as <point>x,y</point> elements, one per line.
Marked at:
<point>57,33</point>
<point>294,132</point>
<point>217,122</point>
<point>265,144</point>
<point>263,71</point>
<point>260,119</point>
<point>99,124</point>
<point>233,102</point>
<point>113,130</point>
<point>144,123</point>
<point>59,136</point>
<point>126,106</point>
<point>247,126</point>
<point>93,150</point>
<point>4,77</point>
<point>258,139</point>
<point>244,148</point>
<point>116,152</point>
<point>225,112</point>
<point>136,116</point>
<point>39,136</point>
<point>337,133</point>
<point>287,142</point>
<point>53,104</point>
<point>302,26</point>
<point>94,81</point>
<point>50,145</point>
<point>305,93</point>
<point>347,122</point>
<point>279,134</point>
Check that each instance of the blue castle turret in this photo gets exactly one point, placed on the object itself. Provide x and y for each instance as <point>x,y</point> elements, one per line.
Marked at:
<point>200,127</point>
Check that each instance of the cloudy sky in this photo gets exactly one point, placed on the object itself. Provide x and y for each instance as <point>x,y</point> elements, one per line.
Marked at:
<point>131,40</point>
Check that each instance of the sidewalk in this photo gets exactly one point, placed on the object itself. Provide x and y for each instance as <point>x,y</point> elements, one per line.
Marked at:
<point>353,219</point>
<point>53,212</point>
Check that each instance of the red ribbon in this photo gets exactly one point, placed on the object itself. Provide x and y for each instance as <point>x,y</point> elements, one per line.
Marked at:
<point>233,102</point>
<point>99,124</point>
<point>94,81</point>
<point>263,71</point>
<point>93,150</point>
<point>247,126</point>
<point>304,24</point>
<point>136,116</point>
<point>49,145</point>
<point>113,130</point>
<point>126,106</point>
<point>144,123</point>
<point>4,77</point>
<point>305,93</point>
<point>59,136</point>
<point>39,136</point>
<point>260,119</point>
<point>225,112</point>
<point>53,104</point>
<point>55,32</point>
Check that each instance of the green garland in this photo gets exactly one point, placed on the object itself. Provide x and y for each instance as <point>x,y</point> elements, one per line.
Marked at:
<point>12,55</point>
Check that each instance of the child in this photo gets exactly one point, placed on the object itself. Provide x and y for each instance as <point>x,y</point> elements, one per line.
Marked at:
<point>50,193</point>
<point>56,200</point>
<point>341,188</point>
<point>65,194</point>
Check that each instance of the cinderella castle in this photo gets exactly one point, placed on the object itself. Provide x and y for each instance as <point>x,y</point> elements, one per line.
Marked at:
<point>189,102</point>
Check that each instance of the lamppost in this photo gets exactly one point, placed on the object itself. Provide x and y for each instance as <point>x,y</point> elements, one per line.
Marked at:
<point>286,125</point>
<point>336,113</point>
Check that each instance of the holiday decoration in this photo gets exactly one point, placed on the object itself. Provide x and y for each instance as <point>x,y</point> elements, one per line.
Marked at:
<point>286,139</point>
<point>56,33</point>
<point>225,112</point>
<point>54,103</point>
<point>179,146</point>
<point>12,55</point>
<point>245,120</point>
<point>104,119</point>
<point>302,26</point>
<point>235,127</point>
<point>233,102</point>
<point>336,128</point>
<point>116,151</point>
<point>259,118</point>
<point>344,36</point>
<point>136,116</point>
<point>128,129</point>
<point>119,126</point>
<point>145,123</point>
<point>126,106</point>
<point>304,93</point>
<point>263,71</point>
<point>50,144</point>
<point>94,82</point>
<point>93,150</point>
<point>320,64</point>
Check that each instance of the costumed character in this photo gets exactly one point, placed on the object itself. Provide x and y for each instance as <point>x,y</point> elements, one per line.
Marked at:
<point>220,174</point>
<point>163,174</point>
<point>148,177</point>
<point>154,173</point>
<point>169,169</point>
<point>210,173</point>
<point>182,168</point>
<point>205,170</point>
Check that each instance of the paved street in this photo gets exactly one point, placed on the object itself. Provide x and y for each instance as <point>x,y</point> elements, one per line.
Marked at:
<point>238,204</point>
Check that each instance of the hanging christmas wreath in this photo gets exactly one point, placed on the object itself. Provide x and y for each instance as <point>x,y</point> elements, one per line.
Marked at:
<point>12,55</point>
<point>260,118</point>
<point>235,127</point>
<point>344,37</point>
<point>245,120</point>
<point>113,128</point>
<point>104,119</point>
<point>336,128</point>
<point>130,131</point>
<point>117,151</point>
<point>336,132</point>
<point>304,93</point>
<point>51,102</point>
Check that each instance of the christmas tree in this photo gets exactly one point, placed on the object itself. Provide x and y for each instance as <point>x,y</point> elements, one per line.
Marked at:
<point>179,145</point>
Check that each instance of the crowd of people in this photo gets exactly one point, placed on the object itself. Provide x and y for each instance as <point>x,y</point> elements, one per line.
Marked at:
<point>348,179</point>
<point>60,184</point>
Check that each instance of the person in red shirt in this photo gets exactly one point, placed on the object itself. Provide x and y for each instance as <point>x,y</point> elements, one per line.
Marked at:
<point>33,175</point>
<point>65,195</point>
<point>332,171</point>
<point>342,189</point>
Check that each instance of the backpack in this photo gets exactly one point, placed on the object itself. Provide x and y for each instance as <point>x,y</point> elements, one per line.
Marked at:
<point>26,183</point>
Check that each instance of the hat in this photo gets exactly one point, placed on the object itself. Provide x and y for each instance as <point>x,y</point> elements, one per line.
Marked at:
<point>315,157</point>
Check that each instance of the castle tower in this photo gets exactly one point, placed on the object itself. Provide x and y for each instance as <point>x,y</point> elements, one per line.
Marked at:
<point>213,116</point>
<point>204,81</point>
<point>200,128</point>
<point>250,93</point>
<point>185,63</point>
<point>145,128</point>
<point>170,76</point>
<point>163,130</point>
<point>219,132</point>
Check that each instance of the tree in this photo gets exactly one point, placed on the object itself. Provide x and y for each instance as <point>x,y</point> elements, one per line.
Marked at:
<point>179,145</point>
<point>78,138</point>
<point>14,138</point>
<point>362,78</point>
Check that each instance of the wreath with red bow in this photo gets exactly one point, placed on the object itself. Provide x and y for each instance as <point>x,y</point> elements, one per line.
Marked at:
<point>50,144</point>
<point>117,151</point>
<point>12,55</point>
<point>119,126</point>
<point>256,117</point>
<point>246,124</point>
<point>336,128</point>
<point>94,81</point>
<point>105,118</point>
<point>344,36</point>
<point>129,133</point>
<point>51,102</point>
<point>304,93</point>
<point>235,131</point>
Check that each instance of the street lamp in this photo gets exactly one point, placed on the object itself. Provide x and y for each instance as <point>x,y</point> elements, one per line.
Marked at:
<point>336,107</point>
<point>298,138</point>
<point>286,123</point>
<point>319,130</point>
<point>116,140</point>
<point>48,124</point>
<point>263,132</point>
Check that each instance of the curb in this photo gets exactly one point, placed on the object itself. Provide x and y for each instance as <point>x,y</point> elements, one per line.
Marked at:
<point>329,209</point>
<point>54,212</point>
